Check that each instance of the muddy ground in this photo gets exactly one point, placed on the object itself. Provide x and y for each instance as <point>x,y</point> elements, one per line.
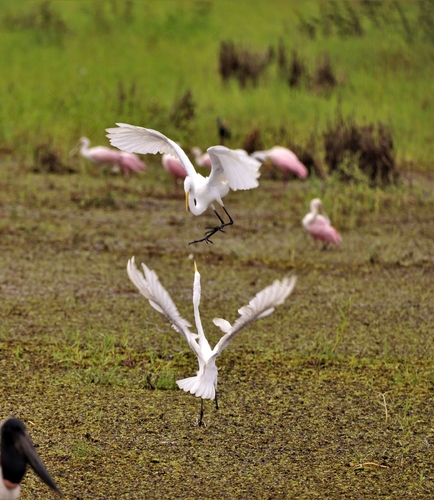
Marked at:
<point>329,397</point>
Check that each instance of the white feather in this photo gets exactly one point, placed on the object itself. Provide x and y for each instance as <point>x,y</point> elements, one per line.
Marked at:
<point>205,382</point>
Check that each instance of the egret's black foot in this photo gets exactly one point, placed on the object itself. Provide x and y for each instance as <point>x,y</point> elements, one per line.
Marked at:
<point>206,239</point>
<point>212,230</point>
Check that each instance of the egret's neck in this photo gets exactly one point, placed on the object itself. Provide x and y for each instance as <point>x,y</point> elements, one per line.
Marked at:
<point>203,342</point>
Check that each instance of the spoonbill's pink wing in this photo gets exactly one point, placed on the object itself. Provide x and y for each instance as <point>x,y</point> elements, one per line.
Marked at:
<point>101,154</point>
<point>174,166</point>
<point>321,229</point>
<point>129,162</point>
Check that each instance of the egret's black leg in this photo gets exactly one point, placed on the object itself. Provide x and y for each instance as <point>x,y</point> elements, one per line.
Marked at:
<point>200,424</point>
<point>215,229</point>
<point>216,401</point>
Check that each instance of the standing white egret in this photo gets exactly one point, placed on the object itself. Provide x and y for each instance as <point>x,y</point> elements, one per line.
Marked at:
<point>16,452</point>
<point>204,384</point>
<point>230,169</point>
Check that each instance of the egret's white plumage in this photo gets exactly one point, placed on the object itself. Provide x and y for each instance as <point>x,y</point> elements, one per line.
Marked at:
<point>204,383</point>
<point>229,169</point>
<point>16,452</point>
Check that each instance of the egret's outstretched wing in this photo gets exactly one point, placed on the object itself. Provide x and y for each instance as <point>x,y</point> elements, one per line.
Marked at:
<point>260,306</point>
<point>150,287</point>
<point>241,170</point>
<point>147,141</point>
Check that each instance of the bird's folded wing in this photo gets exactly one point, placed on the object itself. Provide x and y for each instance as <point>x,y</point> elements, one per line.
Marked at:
<point>260,306</point>
<point>150,287</point>
<point>240,170</point>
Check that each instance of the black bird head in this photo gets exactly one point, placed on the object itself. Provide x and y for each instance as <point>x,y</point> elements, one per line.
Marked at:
<point>223,130</point>
<point>17,451</point>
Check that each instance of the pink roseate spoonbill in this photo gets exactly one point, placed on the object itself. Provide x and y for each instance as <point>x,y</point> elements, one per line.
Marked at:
<point>201,159</point>
<point>173,166</point>
<point>318,226</point>
<point>229,170</point>
<point>98,154</point>
<point>101,155</point>
<point>204,384</point>
<point>284,159</point>
<point>16,452</point>
<point>130,163</point>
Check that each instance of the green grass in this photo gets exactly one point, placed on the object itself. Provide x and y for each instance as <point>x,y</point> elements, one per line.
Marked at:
<point>91,64</point>
<point>330,395</point>
<point>333,390</point>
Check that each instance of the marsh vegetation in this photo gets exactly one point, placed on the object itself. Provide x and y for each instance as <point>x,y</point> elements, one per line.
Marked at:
<point>334,391</point>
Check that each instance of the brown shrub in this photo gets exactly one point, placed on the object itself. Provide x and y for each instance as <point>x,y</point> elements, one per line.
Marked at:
<point>253,141</point>
<point>242,63</point>
<point>372,147</point>
<point>48,160</point>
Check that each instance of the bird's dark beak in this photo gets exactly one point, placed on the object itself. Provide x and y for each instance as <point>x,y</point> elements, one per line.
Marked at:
<point>25,448</point>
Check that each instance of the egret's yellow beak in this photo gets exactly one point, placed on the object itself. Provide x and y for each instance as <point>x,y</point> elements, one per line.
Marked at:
<point>186,202</point>
<point>195,267</point>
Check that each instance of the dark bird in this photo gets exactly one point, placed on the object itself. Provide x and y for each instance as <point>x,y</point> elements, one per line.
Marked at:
<point>224,132</point>
<point>16,452</point>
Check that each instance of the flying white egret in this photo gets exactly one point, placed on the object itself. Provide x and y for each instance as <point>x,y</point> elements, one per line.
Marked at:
<point>204,384</point>
<point>16,452</point>
<point>230,169</point>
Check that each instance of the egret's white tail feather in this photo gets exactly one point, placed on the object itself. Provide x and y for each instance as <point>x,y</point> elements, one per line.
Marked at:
<point>203,385</point>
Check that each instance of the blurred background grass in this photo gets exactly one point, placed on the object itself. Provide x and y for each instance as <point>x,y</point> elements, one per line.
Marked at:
<point>73,68</point>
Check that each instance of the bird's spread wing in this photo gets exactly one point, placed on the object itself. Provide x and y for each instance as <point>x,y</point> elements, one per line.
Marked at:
<point>147,141</point>
<point>150,287</point>
<point>240,170</point>
<point>260,306</point>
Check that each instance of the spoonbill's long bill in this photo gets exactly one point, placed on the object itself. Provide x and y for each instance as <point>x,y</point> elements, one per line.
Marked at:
<point>204,383</point>
<point>16,452</point>
<point>284,159</point>
<point>229,170</point>
<point>318,226</point>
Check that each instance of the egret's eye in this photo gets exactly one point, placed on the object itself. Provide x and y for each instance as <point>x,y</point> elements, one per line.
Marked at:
<point>195,202</point>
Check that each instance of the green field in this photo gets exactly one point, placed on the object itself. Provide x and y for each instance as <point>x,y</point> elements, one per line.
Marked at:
<point>72,68</point>
<point>331,396</point>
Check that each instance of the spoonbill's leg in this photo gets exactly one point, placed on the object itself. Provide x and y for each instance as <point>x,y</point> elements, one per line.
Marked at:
<point>216,401</point>
<point>215,229</point>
